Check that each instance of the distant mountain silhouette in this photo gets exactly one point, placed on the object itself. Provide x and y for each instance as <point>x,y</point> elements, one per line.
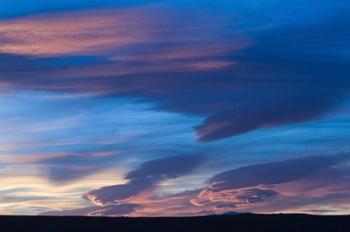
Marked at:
<point>232,213</point>
<point>238,222</point>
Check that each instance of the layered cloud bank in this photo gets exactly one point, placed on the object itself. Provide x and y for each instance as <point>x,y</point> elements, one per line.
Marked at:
<point>284,186</point>
<point>145,178</point>
<point>174,107</point>
<point>239,76</point>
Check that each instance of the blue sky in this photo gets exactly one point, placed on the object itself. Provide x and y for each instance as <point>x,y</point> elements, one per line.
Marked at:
<point>171,108</point>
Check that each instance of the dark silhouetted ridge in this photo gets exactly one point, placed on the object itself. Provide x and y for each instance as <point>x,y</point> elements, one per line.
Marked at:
<point>240,222</point>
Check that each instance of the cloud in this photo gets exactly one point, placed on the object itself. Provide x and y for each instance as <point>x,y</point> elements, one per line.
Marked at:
<point>137,197</point>
<point>238,76</point>
<point>112,211</point>
<point>166,168</point>
<point>57,34</point>
<point>63,167</point>
<point>284,186</point>
<point>274,173</point>
<point>144,178</point>
<point>132,40</point>
<point>144,204</point>
<point>251,116</point>
<point>238,80</point>
<point>71,212</point>
<point>287,76</point>
<point>278,186</point>
<point>233,199</point>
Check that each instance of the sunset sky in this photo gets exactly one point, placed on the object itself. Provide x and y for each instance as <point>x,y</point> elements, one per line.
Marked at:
<point>174,107</point>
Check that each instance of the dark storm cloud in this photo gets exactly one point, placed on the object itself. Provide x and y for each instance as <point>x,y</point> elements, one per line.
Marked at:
<point>145,177</point>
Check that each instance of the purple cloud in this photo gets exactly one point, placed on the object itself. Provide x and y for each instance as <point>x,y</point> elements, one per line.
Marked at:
<point>238,80</point>
<point>276,172</point>
<point>63,167</point>
<point>112,210</point>
<point>145,177</point>
<point>284,185</point>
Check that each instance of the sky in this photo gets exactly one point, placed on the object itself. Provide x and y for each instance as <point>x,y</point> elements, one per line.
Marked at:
<point>174,107</point>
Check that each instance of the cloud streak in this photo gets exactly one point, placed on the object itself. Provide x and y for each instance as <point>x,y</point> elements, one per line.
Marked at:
<point>247,76</point>
<point>278,186</point>
<point>144,178</point>
<point>283,186</point>
<point>88,93</point>
<point>89,32</point>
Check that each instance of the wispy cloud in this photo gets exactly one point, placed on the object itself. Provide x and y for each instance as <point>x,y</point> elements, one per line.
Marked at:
<point>248,76</point>
<point>284,186</point>
<point>135,40</point>
<point>75,33</point>
<point>144,178</point>
<point>278,186</point>
<point>87,90</point>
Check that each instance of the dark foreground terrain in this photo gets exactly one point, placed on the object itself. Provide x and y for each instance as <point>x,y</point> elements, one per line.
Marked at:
<point>246,222</point>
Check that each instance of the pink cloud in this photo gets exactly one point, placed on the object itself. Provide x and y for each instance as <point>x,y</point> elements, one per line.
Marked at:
<point>87,32</point>
<point>132,41</point>
<point>254,188</point>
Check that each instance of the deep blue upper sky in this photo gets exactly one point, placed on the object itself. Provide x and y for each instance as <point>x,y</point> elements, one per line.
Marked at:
<point>174,107</point>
